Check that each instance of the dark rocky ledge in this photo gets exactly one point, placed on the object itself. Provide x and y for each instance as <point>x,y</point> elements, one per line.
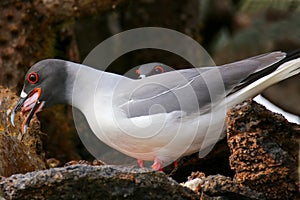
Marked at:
<point>93,182</point>
<point>264,150</point>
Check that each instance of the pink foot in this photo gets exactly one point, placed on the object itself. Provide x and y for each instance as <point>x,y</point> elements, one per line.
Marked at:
<point>140,162</point>
<point>175,163</point>
<point>157,165</point>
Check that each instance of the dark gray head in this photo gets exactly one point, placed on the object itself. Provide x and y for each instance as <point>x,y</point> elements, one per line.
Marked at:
<point>150,69</point>
<point>44,85</point>
<point>50,77</point>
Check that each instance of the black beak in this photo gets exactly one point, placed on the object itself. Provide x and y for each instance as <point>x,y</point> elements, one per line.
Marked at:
<point>18,107</point>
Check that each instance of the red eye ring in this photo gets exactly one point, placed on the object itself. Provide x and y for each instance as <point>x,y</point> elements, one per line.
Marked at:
<point>159,69</point>
<point>32,78</point>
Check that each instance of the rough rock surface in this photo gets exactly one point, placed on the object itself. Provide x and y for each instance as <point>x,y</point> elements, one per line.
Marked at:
<point>15,157</point>
<point>264,150</point>
<point>93,182</point>
<point>18,153</point>
<point>220,187</point>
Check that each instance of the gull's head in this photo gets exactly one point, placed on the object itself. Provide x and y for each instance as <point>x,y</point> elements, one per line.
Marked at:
<point>44,85</point>
<point>150,69</point>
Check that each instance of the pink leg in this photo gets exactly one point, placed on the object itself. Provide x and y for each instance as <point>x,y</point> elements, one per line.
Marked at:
<point>157,165</point>
<point>141,163</point>
<point>175,163</point>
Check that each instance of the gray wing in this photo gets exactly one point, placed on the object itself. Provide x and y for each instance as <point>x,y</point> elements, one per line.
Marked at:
<point>190,90</point>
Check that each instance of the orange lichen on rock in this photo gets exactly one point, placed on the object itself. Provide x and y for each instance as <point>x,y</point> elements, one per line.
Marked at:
<point>18,153</point>
<point>15,157</point>
<point>264,150</point>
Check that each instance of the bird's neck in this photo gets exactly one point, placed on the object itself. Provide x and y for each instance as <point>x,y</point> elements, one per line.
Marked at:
<point>86,84</point>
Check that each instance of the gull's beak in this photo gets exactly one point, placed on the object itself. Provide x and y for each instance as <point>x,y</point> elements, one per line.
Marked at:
<point>27,103</point>
<point>16,109</point>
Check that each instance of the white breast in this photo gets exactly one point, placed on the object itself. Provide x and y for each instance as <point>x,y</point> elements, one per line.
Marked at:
<point>167,136</point>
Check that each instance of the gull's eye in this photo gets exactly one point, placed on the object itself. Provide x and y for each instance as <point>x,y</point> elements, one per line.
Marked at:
<point>158,69</point>
<point>33,78</point>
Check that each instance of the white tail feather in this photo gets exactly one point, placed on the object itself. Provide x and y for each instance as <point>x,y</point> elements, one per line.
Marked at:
<point>284,71</point>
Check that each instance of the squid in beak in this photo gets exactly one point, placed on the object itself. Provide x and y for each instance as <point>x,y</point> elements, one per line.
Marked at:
<point>27,103</point>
